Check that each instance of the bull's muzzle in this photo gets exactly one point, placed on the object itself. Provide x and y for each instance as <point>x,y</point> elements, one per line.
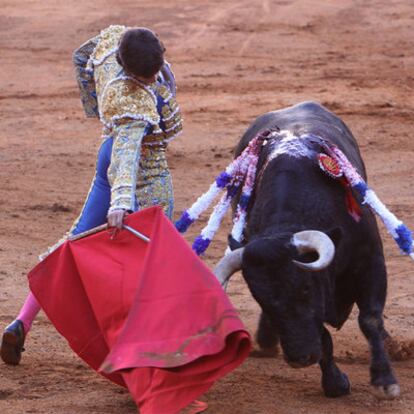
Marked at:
<point>303,361</point>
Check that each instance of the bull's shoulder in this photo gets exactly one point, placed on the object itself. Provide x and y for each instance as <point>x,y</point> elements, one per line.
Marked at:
<point>285,118</point>
<point>307,112</point>
<point>308,106</point>
<point>304,117</point>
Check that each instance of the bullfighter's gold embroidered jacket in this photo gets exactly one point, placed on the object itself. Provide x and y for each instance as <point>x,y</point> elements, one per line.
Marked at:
<point>141,119</point>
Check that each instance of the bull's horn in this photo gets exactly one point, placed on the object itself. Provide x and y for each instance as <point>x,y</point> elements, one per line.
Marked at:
<point>314,241</point>
<point>228,265</point>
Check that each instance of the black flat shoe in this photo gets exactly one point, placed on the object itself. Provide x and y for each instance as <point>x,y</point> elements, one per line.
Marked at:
<point>12,343</point>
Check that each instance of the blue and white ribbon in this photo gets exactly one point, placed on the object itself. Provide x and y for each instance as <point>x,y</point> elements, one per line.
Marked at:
<point>241,171</point>
<point>398,230</point>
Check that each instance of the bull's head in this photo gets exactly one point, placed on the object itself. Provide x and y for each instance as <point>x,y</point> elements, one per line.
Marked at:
<point>286,275</point>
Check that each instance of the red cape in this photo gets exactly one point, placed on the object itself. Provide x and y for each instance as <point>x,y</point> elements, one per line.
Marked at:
<point>148,316</point>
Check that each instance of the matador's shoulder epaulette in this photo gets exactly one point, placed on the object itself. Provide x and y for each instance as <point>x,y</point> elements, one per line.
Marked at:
<point>108,42</point>
<point>125,98</point>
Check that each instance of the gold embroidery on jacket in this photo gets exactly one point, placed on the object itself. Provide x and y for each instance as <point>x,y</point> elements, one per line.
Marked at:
<point>127,98</point>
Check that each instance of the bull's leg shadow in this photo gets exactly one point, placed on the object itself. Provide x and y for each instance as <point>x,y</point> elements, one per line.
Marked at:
<point>334,382</point>
<point>267,338</point>
<point>382,377</point>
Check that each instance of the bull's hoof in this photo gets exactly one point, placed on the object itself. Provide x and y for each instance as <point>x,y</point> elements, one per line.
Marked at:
<point>387,392</point>
<point>270,352</point>
<point>336,386</point>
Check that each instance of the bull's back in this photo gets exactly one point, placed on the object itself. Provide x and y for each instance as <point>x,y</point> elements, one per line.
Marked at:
<point>308,118</point>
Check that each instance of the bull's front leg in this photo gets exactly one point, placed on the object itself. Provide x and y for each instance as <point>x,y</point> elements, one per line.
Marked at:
<point>382,377</point>
<point>371,304</point>
<point>334,382</point>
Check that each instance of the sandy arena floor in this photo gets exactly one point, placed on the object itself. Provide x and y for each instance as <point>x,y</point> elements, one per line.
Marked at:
<point>234,59</point>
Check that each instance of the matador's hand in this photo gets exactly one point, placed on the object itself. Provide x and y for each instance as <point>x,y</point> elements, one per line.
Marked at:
<point>116,218</point>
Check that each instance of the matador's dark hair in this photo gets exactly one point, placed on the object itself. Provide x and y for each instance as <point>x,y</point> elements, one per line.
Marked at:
<point>140,52</point>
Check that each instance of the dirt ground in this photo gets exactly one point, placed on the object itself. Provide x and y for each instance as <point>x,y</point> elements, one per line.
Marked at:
<point>233,59</point>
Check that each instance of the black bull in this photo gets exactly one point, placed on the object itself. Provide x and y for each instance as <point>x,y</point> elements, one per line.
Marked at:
<point>291,195</point>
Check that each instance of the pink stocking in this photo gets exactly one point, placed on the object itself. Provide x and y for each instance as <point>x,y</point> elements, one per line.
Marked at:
<point>28,312</point>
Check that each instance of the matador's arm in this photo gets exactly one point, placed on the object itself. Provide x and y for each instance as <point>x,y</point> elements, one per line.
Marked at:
<point>123,170</point>
<point>85,77</point>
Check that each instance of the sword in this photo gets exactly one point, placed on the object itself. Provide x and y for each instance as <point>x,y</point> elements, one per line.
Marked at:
<point>105,227</point>
<point>136,233</point>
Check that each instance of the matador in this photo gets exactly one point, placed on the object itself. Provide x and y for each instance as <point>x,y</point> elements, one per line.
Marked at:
<point>126,83</point>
